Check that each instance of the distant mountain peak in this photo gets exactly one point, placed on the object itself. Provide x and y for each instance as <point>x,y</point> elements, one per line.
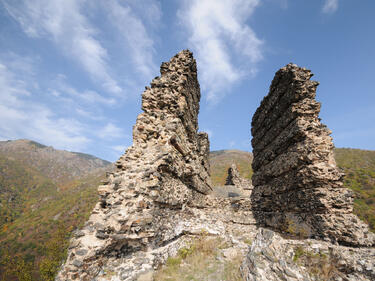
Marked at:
<point>57,165</point>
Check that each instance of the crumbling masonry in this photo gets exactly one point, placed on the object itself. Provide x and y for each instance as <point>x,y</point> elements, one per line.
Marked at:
<point>156,200</point>
<point>165,168</point>
<point>297,186</point>
<point>159,198</point>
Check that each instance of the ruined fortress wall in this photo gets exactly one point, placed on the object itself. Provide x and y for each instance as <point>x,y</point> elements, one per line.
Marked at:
<point>158,193</point>
<point>164,170</point>
<point>297,186</point>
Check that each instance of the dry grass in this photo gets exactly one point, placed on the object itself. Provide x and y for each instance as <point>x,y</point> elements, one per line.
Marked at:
<point>232,269</point>
<point>320,265</point>
<point>200,261</point>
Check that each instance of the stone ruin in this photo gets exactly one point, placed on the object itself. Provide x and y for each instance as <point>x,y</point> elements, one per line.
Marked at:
<point>298,191</point>
<point>297,187</point>
<point>165,168</point>
<point>158,196</point>
<point>234,178</point>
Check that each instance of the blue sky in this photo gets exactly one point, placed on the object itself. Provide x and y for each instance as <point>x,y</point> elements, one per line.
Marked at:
<point>72,72</point>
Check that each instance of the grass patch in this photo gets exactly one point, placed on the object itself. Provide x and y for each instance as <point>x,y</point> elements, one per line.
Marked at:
<point>298,253</point>
<point>232,269</point>
<point>248,241</point>
<point>200,260</point>
<point>320,265</point>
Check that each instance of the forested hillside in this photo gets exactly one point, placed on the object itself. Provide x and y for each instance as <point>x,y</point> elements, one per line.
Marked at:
<point>359,167</point>
<point>41,203</point>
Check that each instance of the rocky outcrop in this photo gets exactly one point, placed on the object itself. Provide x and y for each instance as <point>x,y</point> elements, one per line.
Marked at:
<point>164,170</point>
<point>234,178</point>
<point>273,258</point>
<point>297,187</point>
<point>157,197</point>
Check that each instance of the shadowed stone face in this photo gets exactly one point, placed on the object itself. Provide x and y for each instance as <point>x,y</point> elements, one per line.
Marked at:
<point>297,186</point>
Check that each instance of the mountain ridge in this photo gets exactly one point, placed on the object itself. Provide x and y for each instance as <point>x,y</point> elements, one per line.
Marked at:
<point>58,165</point>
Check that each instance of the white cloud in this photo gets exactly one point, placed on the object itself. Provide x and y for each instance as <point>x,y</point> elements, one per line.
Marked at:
<point>63,21</point>
<point>110,131</point>
<point>88,114</point>
<point>63,89</point>
<point>119,148</point>
<point>149,10</point>
<point>222,39</point>
<point>330,6</point>
<point>136,38</point>
<point>23,118</point>
<point>24,115</point>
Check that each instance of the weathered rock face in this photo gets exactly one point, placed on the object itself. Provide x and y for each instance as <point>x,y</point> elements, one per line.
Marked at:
<point>234,178</point>
<point>165,170</point>
<point>273,258</point>
<point>158,198</point>
<point>297,186</point>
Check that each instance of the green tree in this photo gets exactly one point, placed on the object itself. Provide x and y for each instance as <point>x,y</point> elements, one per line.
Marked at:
<point>15,267</point>
<point>55,253</point>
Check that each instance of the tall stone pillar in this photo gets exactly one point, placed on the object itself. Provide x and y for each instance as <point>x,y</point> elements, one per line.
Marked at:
<point>297,185</point>
<point>165,170</point>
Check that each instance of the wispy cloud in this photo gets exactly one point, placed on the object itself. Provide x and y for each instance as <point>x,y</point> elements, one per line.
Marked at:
<point>111,131</point>
<point>119,148</point>
<point>64,23</point>
<point>63,89</point>
<point>26,113</point>
<point>136,37</point>
<point>226,46</point>
<point>21,117</point>
<point>330,6</point>
<point>88,114</point>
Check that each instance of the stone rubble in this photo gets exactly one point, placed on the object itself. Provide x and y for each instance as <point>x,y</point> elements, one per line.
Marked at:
<point>297,186</point>
<point>273,258</point>
<point>234,178</point>
<point>158,196</point>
